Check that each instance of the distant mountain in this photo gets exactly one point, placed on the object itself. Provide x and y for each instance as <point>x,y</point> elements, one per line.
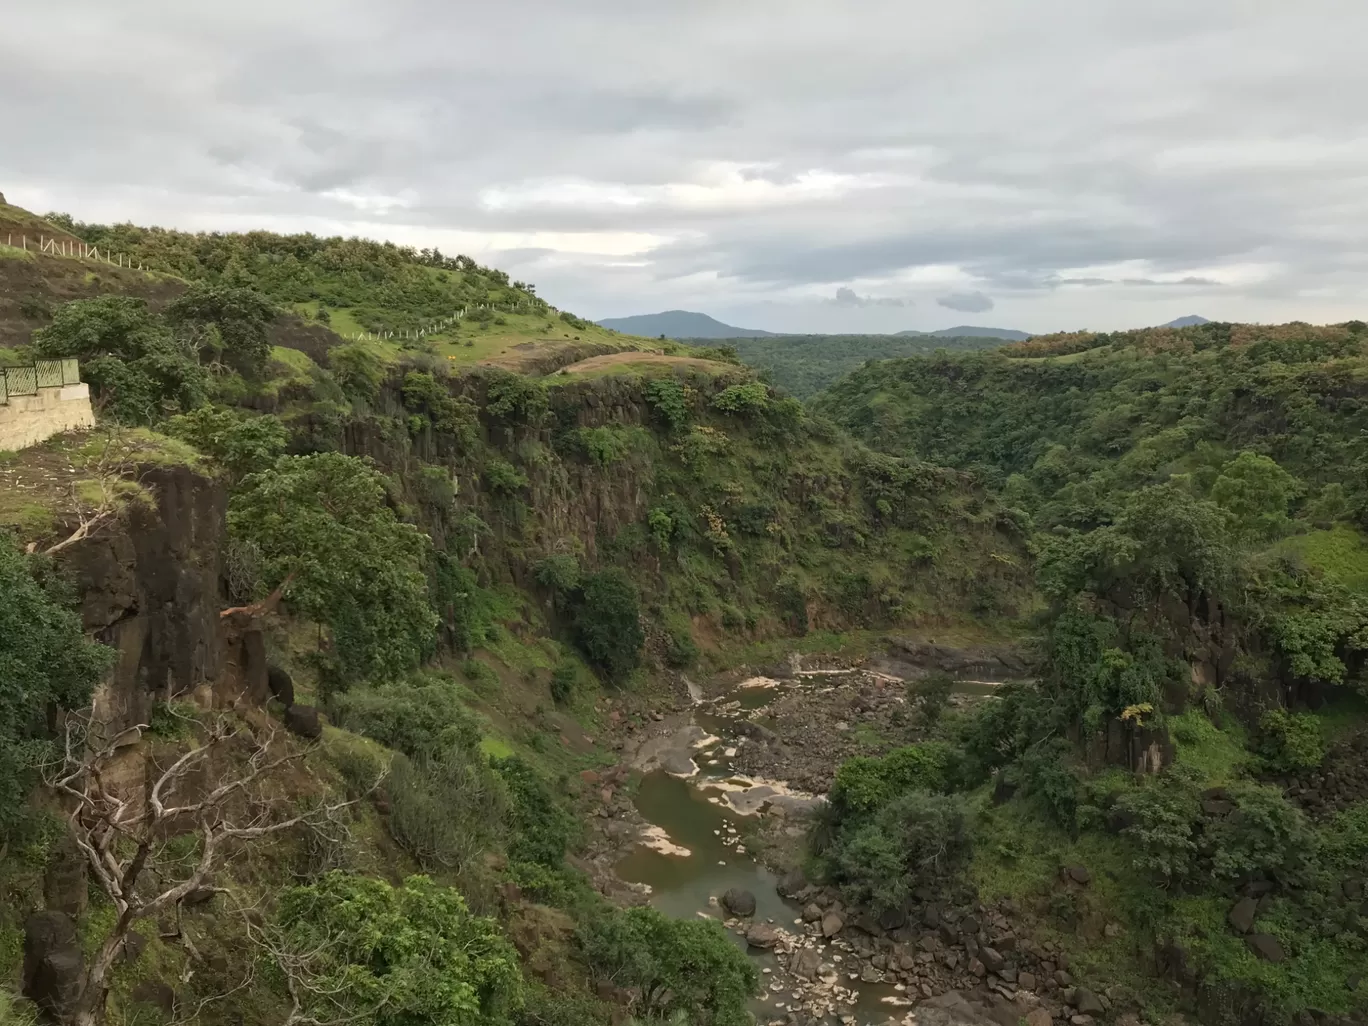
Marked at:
<point>1185,322</point>
<point>680,324</point>
<point>970,331</point>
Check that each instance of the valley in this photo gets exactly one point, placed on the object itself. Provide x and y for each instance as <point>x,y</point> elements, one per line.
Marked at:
<point>400,649</point>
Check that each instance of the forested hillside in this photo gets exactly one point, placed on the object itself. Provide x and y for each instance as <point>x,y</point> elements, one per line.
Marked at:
<point>803,365</point>
<point>1197,502</point>
<point>319,638</point>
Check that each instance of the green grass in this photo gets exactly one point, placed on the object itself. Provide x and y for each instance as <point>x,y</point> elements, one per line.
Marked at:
<point>495,748</point>
<point>1340,554</point>
<point>1218,753</point>
<point>14,253</point>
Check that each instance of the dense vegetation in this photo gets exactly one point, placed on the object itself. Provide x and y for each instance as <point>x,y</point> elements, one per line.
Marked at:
<point>383,287</point>
<point>803,365</point>
<point>1197,502</point>
<point>453,563</point>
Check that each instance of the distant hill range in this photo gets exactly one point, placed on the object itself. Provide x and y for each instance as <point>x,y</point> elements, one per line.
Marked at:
<point>970,331</point>
<point>689,324</point>
<point>680,324</point>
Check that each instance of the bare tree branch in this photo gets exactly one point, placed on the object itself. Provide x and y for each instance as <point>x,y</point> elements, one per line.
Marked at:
<point>123,835</point>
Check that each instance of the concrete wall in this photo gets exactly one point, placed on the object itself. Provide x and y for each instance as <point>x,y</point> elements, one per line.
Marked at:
<point>29,419</point>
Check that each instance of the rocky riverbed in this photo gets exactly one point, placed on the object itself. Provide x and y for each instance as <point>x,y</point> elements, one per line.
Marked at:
<point>759,753</point>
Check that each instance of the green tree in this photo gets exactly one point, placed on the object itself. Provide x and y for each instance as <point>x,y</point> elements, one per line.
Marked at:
<point>608,623</point>
<point>685,968</point>
<point>137,367</point>
<point>46,663</point>
<point>357,948</point>
<point>233,322</point>
<point>1257,492</point>
<point>239,442</point>
<point>323,536</point>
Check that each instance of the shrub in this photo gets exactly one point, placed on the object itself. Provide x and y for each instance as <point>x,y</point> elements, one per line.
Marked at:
<point>1266,834</point>
<point>917,839</point>
<point>686,971</point>
<point>931,694</point>
<point>393,956</point>
<point>419,717</point>
<point>565,681</point>
<point>241,443</point>
<point>865,784</point>
<point>1290,742</point>
<point>680,648</point>
<point>670,399</point>
<point>742,399</point>
<point>46,663</point>
<point>603,446</point>
<point>446,809</point>
<point>516,397</point>
<point>1166,812</point>
<point>559,573</point>
<point>501,476</point>
<point>359,371</point>
<point>608,623</point>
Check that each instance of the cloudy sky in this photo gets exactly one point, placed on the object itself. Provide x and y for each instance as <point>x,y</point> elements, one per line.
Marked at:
<point>851,165</point>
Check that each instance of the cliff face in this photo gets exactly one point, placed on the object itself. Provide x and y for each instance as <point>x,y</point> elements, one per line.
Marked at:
<point>151,588</point>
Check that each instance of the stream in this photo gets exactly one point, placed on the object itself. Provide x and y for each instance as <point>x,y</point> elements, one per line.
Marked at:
<point>695,803</point>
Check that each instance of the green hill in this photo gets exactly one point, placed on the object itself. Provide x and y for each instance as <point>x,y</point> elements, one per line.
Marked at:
<point>805,364</point>
<point>1199,506</point>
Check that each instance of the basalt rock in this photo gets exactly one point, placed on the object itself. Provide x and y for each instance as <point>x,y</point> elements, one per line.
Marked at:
<point>304,721</point>
<point>739,902</point>
<point>53,963</point>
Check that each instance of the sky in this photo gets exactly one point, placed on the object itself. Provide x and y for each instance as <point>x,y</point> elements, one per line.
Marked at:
<point>841,166</point>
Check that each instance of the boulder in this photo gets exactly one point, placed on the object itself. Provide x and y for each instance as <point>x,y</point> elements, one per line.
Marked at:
<point>156,994</point>
<point>739,902</point>
<point>1078,874</point>
<point>281,684</point>
<point>832,924</point>
<point>1242,915</point>
<point>1266,946</point>
<point>812,913</point>
<point>992,959</point>
<point>1087,1002</point>
<point>304,721</point>
<point>805,963</point>
<point>762,935</point>
<point>1039,1017</point>
<point>791,883</point>
<point>53,963</point>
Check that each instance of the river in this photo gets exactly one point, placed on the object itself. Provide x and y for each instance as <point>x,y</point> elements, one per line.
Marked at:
<point>695,854</point>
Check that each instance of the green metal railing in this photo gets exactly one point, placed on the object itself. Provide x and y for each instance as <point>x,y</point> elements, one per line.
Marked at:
<point>41,374</point>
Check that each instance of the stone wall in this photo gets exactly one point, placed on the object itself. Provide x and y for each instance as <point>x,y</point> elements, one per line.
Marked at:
<point>29,419</point>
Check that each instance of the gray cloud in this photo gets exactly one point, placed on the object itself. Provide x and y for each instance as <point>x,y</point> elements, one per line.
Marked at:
<point>846,296</point>
<point>638,155</point>
<point>966,302</point>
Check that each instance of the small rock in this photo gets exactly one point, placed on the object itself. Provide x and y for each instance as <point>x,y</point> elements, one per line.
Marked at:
<point>1079,874</point>
<point>992,959</point>
<point>1038,1017</point>
<point>1026,981</point>
<point>812,913</point>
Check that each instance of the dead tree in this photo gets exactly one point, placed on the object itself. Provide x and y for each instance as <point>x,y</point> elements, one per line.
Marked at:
<point>123,832</point>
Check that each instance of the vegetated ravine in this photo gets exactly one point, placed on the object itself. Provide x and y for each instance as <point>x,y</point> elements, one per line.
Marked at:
<point>349,679</point>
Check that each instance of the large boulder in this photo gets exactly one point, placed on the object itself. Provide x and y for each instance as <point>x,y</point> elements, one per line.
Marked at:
<point>832,924</point>
<point>1087,1002</point>
<point>762,935</point>
<point>1266,946</point>
<point>1242,914</point>
<point>281,684</point>
<point>805,963</point>
<point>304,721</point>
<point>739,902</point>
<point>54,963</point>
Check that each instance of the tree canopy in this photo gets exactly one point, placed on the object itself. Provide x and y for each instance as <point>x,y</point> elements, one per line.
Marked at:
<point>319,528</point>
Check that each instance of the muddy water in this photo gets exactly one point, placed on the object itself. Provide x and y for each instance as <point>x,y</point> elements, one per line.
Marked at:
<point>702,814</point>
